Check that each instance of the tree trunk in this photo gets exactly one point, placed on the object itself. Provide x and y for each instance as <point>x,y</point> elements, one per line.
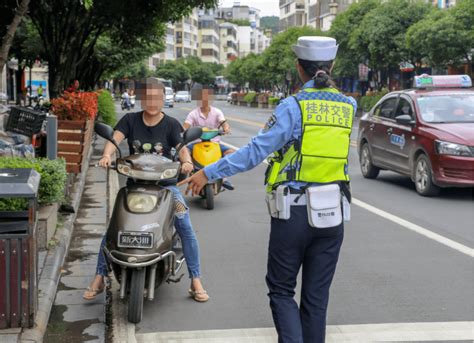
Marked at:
<point>8,38</point>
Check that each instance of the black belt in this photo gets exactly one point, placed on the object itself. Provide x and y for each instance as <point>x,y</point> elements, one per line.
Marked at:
<point>344,188</point>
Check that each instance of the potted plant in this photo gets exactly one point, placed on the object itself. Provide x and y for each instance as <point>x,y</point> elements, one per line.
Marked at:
<point>50,193</point>
<point>76,112</point>
<point>249,98</point>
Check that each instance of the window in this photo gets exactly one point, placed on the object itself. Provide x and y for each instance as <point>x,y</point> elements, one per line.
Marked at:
<point>404,107</point>
<point>386,108</point>
<point>179,52</point>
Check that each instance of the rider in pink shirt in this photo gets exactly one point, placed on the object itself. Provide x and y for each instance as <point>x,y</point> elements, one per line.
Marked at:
<point>210,117</point>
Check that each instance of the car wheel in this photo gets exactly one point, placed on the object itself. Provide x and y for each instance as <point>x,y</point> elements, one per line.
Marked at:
<point>424,177</point>
<point>368,170</point>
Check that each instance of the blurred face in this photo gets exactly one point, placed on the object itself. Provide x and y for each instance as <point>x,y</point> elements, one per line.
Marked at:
<point>204,97</point>
<point>152,99</point>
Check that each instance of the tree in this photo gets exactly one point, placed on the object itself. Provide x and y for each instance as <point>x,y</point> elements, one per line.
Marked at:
<point>279,59</point>
<point>344,25</point>
<point>10,18</point>
<point>70,39</point>
<point>270,22</point>
<point>380,38</point>
<point>177,72</point>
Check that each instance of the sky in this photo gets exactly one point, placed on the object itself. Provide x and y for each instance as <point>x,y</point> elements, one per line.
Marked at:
<point>267,7</point>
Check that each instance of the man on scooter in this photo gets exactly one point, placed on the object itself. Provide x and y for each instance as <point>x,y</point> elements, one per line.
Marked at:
<point>152,126</point>
<point>210,117</point>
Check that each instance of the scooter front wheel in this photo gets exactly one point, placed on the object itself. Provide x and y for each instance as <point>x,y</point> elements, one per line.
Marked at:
<point>209,192</point>
<point>135,301</point>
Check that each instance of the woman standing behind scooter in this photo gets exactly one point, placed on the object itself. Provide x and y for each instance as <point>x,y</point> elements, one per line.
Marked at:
<point>153,126</point>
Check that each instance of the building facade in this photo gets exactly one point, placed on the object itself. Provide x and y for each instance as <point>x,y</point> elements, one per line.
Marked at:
<point>229,45</point>
<point>186,36</point>
<point>292,13</point>
<point>209,37</point>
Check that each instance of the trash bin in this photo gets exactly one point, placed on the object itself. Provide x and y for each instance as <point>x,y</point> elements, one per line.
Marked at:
<point>18,251</point>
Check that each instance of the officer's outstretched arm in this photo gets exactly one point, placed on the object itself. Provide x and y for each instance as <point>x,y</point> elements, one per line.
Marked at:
<point>276,133</point>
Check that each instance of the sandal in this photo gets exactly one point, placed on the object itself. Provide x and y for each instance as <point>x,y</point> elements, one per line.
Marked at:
<point>92,293</point>
<point>199,296</point>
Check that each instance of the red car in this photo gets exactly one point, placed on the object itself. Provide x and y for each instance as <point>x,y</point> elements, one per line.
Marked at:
<point>426,133</point>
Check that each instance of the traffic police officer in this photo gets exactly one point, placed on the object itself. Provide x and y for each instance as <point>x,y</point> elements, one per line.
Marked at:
<point>308,135</point>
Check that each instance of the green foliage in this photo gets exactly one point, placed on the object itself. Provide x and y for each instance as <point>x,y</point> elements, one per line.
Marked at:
<point>446,36</point>
<point>273,100</point>
<point>88,42</point>
<point>189,69</point>
<point>240,22</point>
<point>250,97</point>
<point>270,22</point>
<point>344,25</point>
<point>367,102</point>
<point>107,107</point>
<point>52,183</point>
<point>380,37</point>
<point>271,67</point>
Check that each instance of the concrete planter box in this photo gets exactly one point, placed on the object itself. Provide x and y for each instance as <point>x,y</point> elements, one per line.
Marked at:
<point>47,222</point>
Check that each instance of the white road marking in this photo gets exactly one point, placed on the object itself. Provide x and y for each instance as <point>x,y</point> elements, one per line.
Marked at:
<point>416,228</point>
<point>387,332</point>
<point>406,224</point>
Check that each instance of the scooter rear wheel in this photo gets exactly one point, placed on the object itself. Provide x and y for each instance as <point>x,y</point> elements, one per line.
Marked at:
<point>135,301</point>
<point>209,192</point>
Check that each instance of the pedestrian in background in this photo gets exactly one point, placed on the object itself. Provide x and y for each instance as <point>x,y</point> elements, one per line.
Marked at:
<point>307,183</point>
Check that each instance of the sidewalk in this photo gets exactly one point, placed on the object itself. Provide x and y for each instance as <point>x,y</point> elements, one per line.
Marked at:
<point>73,319</point>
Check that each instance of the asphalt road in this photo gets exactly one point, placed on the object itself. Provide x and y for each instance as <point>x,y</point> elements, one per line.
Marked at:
<point>398,262</point>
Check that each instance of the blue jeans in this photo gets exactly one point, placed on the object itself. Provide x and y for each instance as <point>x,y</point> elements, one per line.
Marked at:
<point>295,244</point>
<point>185,230</point>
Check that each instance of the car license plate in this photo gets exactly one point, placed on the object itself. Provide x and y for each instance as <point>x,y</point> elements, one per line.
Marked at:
<point>143,240</point>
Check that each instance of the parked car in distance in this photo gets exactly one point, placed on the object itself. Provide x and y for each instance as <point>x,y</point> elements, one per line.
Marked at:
<point>169,97</point>
<point>426,133</point>
<point>182,96</point>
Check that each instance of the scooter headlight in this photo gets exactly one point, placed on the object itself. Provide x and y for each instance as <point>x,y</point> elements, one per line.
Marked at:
<point>169,173</point>
<point>141,203</point>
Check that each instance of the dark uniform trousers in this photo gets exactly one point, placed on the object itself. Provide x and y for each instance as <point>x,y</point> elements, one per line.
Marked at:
<point>294,243</point>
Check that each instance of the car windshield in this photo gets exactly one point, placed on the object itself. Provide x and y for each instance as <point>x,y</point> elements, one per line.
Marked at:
<point>169,91</point>
<point>455,108</point>
<point>182,93</point>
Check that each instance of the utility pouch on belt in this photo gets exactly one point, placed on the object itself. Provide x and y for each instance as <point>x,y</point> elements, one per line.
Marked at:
<point>324,206</point>
<point>278,202</point>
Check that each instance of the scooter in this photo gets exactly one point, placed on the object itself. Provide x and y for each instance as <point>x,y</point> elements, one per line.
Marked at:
<point>204,153</point>
<point>142,246</point>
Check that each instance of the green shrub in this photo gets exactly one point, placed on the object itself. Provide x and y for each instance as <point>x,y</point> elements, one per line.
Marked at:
<point>53,180</point>
<point>366,103</point>
<point>107,108</point>
<point>250,97</point>
<point>273,100</point>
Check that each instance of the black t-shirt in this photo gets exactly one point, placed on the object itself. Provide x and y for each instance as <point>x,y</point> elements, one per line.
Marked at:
<point>167,131</point>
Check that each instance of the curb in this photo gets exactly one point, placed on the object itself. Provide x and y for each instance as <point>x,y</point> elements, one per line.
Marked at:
<point>49,278</point>
<point>119,330</point>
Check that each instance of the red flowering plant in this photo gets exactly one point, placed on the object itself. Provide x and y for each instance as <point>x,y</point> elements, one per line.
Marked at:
<point>75,106</point>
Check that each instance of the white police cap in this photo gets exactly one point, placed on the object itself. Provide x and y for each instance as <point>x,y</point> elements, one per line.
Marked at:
<point>315,48</point>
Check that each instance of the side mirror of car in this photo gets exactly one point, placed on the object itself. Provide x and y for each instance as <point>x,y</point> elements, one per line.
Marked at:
<point>404,119</point>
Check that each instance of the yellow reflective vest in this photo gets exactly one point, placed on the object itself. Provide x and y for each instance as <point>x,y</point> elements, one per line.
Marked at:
<point>320,155</point>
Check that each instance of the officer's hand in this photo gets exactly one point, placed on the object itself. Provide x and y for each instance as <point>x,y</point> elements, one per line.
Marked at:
<point>187,168</point>
<point>105,161</point>
<point>196,182</point>
<point>227,130</point>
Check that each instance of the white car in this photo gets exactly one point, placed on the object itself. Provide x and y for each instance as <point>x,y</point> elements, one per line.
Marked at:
<point>182,96</point>
<point>169,97</point>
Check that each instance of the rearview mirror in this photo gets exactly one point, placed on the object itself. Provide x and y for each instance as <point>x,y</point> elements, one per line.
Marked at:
<point>104,131</point>
<point>192,134</point>
<point>405,119</point>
